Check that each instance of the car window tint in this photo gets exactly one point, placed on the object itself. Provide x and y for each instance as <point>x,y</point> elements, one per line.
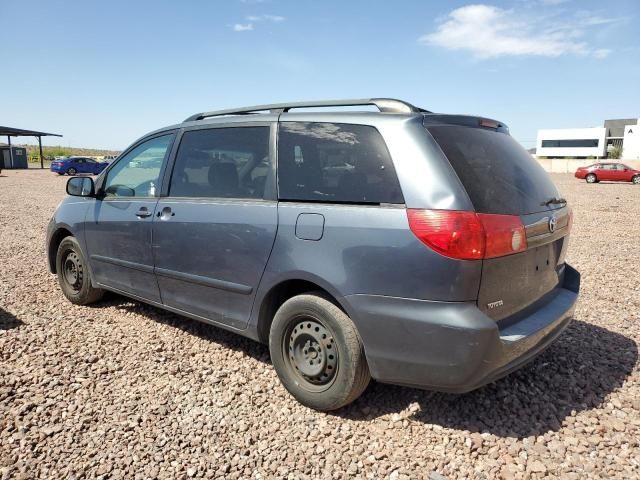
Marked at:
<point>339,163</point>
<point>222,162</point>
<point>498,174</point>
<point>136,174</point>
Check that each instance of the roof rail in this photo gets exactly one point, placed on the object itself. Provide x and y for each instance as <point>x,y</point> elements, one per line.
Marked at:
<point>390,105</point>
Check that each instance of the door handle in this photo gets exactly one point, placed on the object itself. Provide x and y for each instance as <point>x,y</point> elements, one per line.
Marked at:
<point>143,213</point>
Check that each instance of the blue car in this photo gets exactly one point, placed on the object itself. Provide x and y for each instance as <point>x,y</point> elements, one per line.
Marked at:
<point>414,248</point>
<point>75,165</point>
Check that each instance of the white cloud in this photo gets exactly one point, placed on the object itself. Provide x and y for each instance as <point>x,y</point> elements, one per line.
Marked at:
<point>243,27</point>
<point>553,2</point>
<point>489,32</point>
<point>265,18</point>
<point>253,19</point>
<point>601,52</point>
<point>590,20</point>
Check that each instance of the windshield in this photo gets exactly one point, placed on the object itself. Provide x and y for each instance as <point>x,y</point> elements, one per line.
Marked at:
<point>498,174</point>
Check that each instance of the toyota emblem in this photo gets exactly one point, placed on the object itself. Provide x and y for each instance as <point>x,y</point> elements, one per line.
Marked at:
<point>553,222</point>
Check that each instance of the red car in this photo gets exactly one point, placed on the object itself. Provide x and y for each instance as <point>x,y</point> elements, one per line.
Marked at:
<point>610,172</point>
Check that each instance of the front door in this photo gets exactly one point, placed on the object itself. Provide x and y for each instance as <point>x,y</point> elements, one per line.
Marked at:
<point>118,226</point>
<point>213,233</point>
<point>606,172</point>
<point>622,173</point>
<point>90,165</point>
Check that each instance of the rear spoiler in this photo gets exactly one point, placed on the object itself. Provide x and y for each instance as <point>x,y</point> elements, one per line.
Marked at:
<point>433,119</point>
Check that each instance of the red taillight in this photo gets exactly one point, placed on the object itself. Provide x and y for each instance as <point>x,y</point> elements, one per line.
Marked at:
<point>452,233</point>
<point>468,235</point>
<point>504,234</point>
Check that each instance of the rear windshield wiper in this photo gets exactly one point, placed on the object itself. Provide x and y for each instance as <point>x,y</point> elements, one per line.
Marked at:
<point>554,201</point>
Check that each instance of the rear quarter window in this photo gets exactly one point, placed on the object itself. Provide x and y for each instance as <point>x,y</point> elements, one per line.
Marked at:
<point>498,174</point>
<point>335,163</point>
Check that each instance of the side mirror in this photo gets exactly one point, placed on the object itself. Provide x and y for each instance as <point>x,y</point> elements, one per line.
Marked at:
<point>80,187</point>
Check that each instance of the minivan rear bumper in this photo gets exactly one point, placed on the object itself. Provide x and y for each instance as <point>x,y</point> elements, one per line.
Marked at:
<point>453,346</point>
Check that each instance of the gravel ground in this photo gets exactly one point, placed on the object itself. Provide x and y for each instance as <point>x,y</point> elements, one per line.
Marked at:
<point>123,390</point>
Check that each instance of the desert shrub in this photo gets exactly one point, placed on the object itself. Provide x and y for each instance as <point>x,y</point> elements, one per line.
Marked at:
<point>615,152</point>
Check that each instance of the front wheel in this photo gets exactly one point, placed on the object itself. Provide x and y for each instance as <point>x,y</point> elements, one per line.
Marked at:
<point>73,274</point>
<point>591,178</point>
<point>317,353</point>
<point>636,179</point>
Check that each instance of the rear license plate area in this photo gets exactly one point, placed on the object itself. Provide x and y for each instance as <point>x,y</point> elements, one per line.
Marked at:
<point>543,259</point>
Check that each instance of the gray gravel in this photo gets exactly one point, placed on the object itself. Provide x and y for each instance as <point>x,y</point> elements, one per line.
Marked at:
<point>123,390</point>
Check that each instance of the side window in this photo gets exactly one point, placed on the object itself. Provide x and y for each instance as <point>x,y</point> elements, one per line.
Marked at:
<point>327,162</point>
<point>136,174</point>
<point>222,162</point>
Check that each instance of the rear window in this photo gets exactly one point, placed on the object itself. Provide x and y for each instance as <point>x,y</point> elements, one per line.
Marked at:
<point>335,163</point>
<point>498,174</point>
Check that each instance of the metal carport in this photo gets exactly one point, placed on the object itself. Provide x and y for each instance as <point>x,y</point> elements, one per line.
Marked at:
<point>19,132</point>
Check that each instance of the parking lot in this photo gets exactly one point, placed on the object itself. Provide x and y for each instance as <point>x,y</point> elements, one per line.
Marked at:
<point>125,390</point>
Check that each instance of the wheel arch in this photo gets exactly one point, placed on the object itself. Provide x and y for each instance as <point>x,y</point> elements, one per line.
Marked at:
<point>282,291</point>
<point>54,242</point>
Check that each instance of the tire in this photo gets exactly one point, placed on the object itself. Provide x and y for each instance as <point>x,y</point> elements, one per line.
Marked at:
<point>310,328</point>
<point>591,178</point>
<point>72,171</point>
<point>636,179</point>
<point>73,275</point>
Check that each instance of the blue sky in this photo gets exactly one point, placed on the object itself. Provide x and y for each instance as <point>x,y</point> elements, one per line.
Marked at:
<point>104,73</point>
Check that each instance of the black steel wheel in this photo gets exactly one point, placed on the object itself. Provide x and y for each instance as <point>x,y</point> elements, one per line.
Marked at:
<point>73,274</point>
<point>73,271</point>
<point>317,352</point>
<point>312,354</point>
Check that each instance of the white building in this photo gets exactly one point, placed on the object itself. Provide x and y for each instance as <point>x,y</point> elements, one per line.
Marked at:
<point>572,142</point>
<point>631,142</point>
<point>591,142</point>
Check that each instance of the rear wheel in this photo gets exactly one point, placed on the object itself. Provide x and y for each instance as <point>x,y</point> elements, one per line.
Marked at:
<point>317,353</point>
<point>591,178</point>
<point>72,171</point>
<point>73,274</point>
<point>636,179</point>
